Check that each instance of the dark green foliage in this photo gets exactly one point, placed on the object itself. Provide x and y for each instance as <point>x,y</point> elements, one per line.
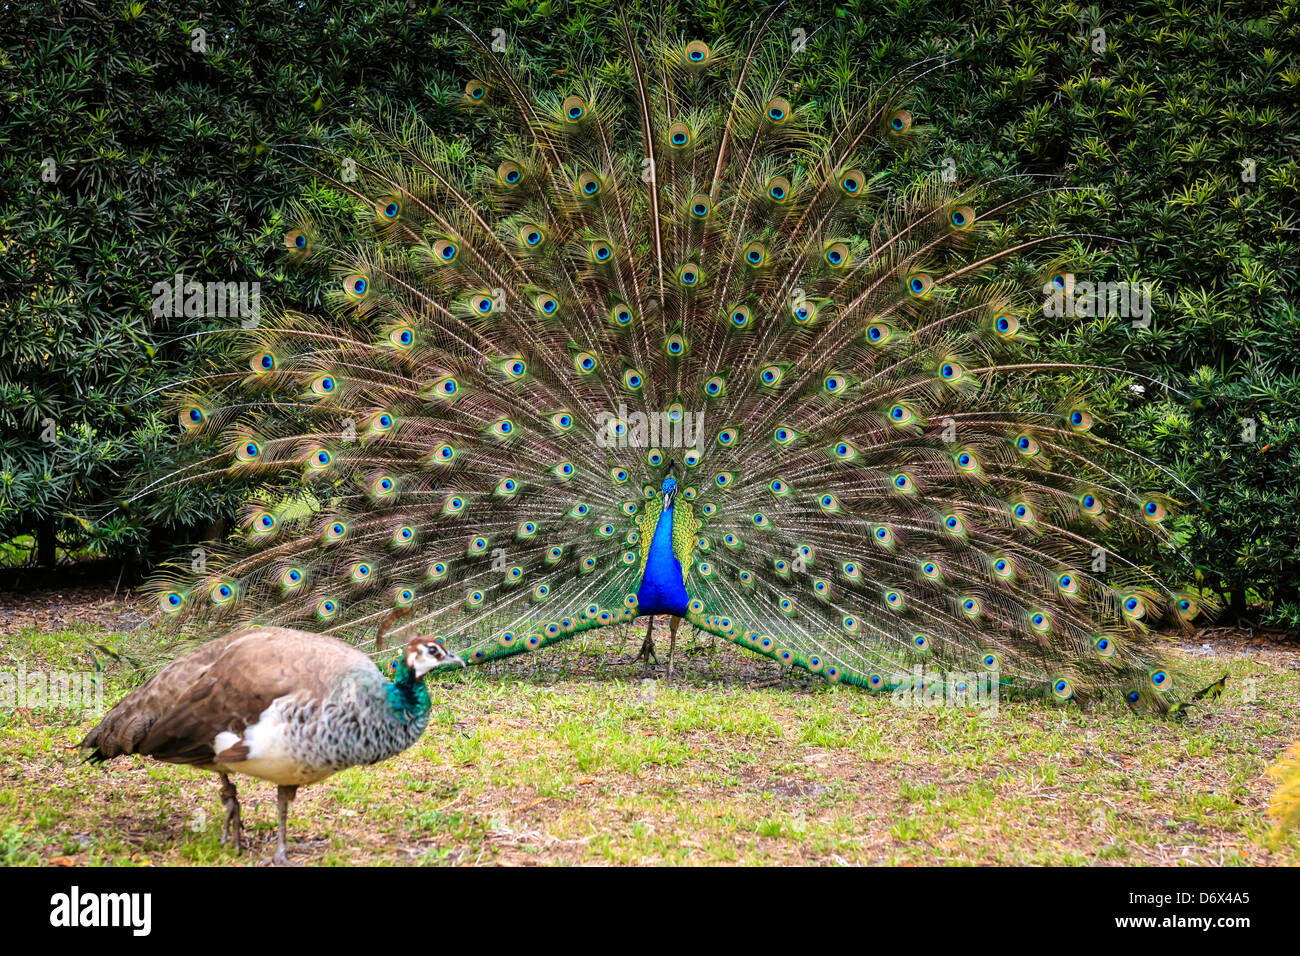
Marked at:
<point>164,166</point>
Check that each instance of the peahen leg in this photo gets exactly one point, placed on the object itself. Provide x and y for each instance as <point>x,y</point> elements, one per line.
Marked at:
<point>230,800</point>
<point>283,796</point>
<point>672,646</point>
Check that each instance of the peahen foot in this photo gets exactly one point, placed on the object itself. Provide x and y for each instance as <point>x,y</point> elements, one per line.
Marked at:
<point>283,796</point>
<point>230,829</point>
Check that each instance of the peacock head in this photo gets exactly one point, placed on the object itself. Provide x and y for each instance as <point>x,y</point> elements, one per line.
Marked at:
<point>669,489</point>
<point>425,653</point>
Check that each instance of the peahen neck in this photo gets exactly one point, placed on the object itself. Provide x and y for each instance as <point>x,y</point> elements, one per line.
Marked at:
<point>663,587</point>
<point>407,695</point>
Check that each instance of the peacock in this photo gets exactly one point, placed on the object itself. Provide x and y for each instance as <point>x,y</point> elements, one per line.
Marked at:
<point>677,343</point>
<point>287,706</point>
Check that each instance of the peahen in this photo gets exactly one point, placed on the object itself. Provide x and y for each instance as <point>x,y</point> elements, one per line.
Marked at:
<point>670,347</point>
<point>286,706</point>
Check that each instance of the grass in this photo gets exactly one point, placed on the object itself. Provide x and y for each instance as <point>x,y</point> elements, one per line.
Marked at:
<point>569,757</point>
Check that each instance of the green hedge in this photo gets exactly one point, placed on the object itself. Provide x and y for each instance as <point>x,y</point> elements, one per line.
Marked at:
<point>166,163</point>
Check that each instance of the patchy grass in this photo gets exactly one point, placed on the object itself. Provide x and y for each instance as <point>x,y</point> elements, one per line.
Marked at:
<point>570,757</point>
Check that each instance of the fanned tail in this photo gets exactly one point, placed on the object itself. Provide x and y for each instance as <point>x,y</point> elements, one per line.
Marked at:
<point>675,258</point>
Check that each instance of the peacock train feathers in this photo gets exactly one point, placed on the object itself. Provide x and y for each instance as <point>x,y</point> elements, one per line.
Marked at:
<point>676,346</point>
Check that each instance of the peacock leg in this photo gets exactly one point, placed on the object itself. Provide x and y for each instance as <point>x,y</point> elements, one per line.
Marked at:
<point>282,797</point>
<point>230,800</point>
<point>648,648</point>
<point>672,645</point>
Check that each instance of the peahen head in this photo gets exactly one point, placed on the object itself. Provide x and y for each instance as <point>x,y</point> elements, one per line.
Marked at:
<point>424,653</point>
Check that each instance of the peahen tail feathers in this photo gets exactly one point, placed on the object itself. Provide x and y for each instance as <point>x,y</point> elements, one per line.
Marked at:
<point>677,267</point>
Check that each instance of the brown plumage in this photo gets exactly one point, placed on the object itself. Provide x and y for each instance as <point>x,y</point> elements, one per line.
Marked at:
<point>287,706</point>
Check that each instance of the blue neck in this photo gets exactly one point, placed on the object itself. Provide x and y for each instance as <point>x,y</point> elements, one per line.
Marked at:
<point>407,694</point>
<point>663,588</point>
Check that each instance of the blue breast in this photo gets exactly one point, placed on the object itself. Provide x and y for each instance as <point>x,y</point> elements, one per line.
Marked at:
<point>662,588</point>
